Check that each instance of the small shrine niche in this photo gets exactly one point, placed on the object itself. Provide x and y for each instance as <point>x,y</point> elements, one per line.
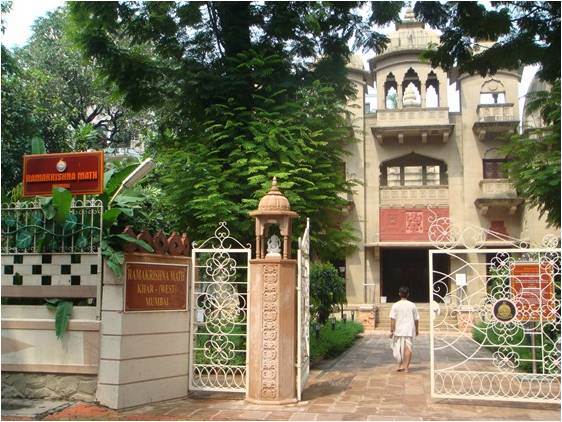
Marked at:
<point>274,211</point>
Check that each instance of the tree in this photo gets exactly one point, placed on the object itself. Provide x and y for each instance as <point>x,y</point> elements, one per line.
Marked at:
<point>18,125</point>
<point>523,32</point>
<point>534,156</point>
<point>49,91</point>
<point>327,291</point>
<point>243,92</point>
<point>70,92</point>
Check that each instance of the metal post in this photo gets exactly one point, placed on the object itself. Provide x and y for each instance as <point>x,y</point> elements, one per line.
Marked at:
<point>532,325</point>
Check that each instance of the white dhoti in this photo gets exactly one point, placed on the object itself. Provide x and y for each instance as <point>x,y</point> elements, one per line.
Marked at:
<point>398,344</point>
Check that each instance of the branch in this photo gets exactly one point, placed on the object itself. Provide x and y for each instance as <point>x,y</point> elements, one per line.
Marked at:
<point>213,19</point>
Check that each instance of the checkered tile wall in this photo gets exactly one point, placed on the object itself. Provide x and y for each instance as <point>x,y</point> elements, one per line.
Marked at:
<point>51,270</point>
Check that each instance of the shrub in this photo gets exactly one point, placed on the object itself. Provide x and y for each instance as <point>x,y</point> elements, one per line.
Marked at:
<point>332,343</point>
<point>519,343</point>
<point>327,289</point>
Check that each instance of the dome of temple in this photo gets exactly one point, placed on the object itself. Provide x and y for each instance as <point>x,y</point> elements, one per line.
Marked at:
<point>409,15</point>
<point>410,99</point>
<point>411,34</point>
<point>274,200</point>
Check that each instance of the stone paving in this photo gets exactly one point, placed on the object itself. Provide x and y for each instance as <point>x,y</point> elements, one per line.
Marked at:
<point>362,384</point>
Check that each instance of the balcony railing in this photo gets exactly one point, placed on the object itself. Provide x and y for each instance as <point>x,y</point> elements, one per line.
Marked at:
<point>412,117</point>
<point>414,196</point>
<point>497,188</point>
<point>496,113</point>
<point>495,119</point>
<point>497,194</point>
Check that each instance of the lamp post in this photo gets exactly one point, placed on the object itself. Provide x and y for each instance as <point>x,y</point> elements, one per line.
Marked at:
<point>132,179</point>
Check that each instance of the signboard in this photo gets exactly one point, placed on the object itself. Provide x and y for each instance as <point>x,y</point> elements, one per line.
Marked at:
<point>79,172</point>
<point>532,286</point>
<point>155,287</point>
<point>460,279</point>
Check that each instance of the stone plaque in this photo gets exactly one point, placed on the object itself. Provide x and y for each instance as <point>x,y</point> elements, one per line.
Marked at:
<point>155,287</point>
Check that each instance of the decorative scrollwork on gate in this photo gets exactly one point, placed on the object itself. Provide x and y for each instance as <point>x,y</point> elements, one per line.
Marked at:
<point>445,233</point>
<point>496,334</point>
<point>219,313</point>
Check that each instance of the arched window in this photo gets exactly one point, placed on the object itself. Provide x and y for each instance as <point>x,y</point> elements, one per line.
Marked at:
<point>492,92</point>
<point>413,170</point>
<point>492,164</point>
<point>432,90</point>
<point>390,92</point>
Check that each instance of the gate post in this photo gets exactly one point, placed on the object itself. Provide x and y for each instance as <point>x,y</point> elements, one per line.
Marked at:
<point>272,306</point>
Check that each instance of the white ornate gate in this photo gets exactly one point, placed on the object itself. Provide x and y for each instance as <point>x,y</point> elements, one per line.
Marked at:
<point>495,320</point>
<point>303,311</point>
<point>219,313</point>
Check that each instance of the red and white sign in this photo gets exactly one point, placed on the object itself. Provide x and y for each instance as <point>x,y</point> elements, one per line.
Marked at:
<point>533,288</point>
<point>79,172</point>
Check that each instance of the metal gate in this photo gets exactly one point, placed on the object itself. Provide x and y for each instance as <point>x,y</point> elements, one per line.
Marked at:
<point>219,313</point>
<point>303,311</point>
<point>495,320</point>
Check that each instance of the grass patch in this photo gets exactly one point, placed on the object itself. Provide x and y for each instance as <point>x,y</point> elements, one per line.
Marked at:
<point>234,340</point>
<point>331,343</point>
<point>519,343</point>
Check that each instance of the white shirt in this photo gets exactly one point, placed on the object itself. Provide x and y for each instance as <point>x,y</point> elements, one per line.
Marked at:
<point>404,313</point>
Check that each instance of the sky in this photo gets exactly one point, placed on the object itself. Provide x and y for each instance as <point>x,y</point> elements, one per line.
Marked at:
<point>24,12</point>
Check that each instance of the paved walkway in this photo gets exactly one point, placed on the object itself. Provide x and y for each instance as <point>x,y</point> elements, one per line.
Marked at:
<point>359,385</point>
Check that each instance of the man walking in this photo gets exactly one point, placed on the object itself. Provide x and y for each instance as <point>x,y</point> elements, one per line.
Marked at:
<point>404,326</point>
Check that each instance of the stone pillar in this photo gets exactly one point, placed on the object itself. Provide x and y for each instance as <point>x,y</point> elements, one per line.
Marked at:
<point>399,96</point>
<point>272,307</point>
<point>272,331</point>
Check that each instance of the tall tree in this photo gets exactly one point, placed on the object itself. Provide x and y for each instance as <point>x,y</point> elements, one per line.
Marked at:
<point>534,164</point>
<point>243,91</point>
<point>50,91</point>
<point>524,33</point>
<point>18,125</point>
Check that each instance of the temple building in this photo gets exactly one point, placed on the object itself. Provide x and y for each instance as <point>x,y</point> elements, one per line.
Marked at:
<point>416,160</point>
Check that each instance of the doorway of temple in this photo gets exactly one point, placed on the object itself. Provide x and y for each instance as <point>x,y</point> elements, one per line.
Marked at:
<point>408,267</point>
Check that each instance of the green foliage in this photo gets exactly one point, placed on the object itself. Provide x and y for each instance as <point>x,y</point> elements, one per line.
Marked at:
<point>235,336</point>
<point>327,291</point>
<point>518,342</point>
<point>63,313</point>
<point>243,91</point>
<point>534,157</point>
<point>527,33</point>
<point>332,343</point>
<point>50,92</point>
<point>61,200</point>
<point>38,146</point>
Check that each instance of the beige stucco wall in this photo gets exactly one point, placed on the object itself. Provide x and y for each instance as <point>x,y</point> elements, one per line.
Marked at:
<point>144,356</point>
<point>29,343</point>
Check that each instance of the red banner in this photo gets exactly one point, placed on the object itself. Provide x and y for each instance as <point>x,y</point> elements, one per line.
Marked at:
<point>79,172</point>
<point>532,286</point>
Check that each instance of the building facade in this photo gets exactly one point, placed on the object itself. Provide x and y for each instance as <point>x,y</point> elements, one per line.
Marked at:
<point>415,160</point>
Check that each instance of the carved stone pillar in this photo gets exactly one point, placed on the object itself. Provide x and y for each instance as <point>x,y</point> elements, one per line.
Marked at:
<point>272,306</point>
<point>272,332</point>
<point>399,96</point>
